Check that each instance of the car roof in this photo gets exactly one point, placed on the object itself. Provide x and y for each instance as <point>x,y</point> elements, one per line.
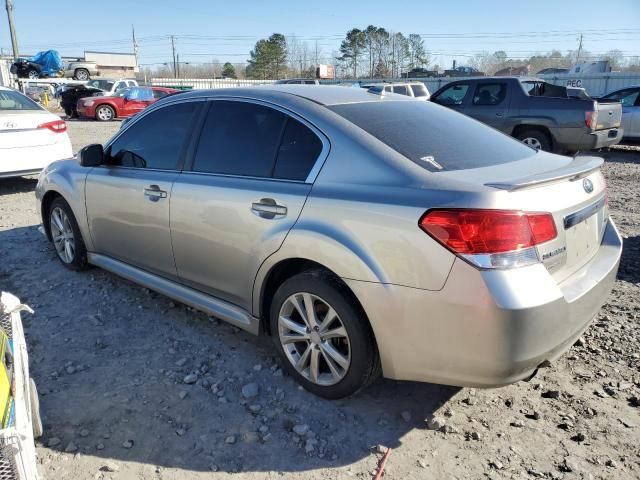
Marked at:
<point>322,94</point>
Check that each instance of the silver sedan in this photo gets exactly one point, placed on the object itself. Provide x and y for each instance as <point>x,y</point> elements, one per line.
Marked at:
<point>367,233</point>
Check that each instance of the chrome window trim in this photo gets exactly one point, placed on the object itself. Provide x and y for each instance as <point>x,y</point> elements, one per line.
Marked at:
<point>313,173</point>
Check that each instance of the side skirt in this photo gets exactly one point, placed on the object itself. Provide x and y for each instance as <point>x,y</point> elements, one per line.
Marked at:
<point>213,306</point>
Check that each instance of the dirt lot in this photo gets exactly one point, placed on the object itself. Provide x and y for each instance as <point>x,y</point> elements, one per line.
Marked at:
<point>111,360</point>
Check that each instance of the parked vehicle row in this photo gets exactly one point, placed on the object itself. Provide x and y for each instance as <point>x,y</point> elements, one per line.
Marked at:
<point>70,94</point>
<point>365,233</point>
<point>125,103</point>
<point>48,64</point>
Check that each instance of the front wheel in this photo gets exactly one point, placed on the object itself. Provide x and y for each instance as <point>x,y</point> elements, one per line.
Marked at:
<point>105,113</point>
<point>66,236</point>
<point>323,336</point>
<point>33,74</point>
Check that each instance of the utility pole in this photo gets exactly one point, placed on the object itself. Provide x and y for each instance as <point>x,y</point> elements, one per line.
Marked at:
<point>135,43</point>
<point>12,29</point>
<point>178,66</point>
<point>579,50</point>
<point>173,49</point>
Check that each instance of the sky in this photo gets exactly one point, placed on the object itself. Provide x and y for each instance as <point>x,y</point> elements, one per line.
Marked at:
<point>208,30</point>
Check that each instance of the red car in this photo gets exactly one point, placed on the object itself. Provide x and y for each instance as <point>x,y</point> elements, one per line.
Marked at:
<point>125,103</point>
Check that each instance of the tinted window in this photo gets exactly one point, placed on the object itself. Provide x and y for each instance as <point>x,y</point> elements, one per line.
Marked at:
<point>159,93</point>
<point>156,141</point>
<point>298,152</point>
<point>419,90</point>
<point>433,137</point>
<point>453,95</point>
<point>490,94</point>
<point>120,85</point>
<point>627,97</point>
<point>10,100</point>
<point>239,138</point>
<point>387,89</point>
<point>401,89</point>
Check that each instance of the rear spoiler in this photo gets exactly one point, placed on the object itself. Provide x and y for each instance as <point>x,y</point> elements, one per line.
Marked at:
<point>580,167</point>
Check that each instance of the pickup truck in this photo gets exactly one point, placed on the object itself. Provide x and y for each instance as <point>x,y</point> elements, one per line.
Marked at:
<point>81,70</point>
<point>540,114</point>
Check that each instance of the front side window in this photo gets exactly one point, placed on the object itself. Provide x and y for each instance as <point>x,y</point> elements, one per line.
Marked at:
<point>13,101</point>
<point>121,85</point>
<point>453,95</point>
<point>155,141</point>
<point>490,94</point>
<point>627,97</point>
<point>239,138</point>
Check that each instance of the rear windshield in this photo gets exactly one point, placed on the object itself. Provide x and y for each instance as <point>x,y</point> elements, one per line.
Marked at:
<point>10,100</point>
<point>432,136</point>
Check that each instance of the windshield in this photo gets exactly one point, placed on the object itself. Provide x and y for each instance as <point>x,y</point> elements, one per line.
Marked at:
<point>13,101</point>
<point>101,84</point>
<point>434,137</point>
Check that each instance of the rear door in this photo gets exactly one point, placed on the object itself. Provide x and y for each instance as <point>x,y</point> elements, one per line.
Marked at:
<point>128,199</point>
<point>489,103</point>
<point>249,179</point>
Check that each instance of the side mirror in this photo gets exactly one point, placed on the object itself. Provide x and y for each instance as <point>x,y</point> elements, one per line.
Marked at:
<point>91,155</point>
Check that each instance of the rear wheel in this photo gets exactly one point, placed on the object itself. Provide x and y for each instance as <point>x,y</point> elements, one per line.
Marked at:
<point>81,74</point>
<point>535,138</point>
<point>322,335</point>
<point>66,236</point>
<point>105,113</point>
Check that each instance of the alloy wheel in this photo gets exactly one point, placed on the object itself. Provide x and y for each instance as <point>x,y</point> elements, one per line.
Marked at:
<point>314,339</point>
<point>532,142</point>
<point>62,235</point>
<point>105,113</point>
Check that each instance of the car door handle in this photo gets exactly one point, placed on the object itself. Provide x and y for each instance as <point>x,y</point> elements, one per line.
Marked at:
<point>153,193</point>
<point>268,208</point>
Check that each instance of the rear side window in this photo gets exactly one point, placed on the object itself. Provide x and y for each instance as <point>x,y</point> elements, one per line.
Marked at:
<point>435,138</point>
<point>401,89</point>
<point>628,98</point>
<point>489,94</point>
<point>239,138</point>
<point>453,95</point>
<point>155,141</point>
<point>419,90</point>
<point>298,152</point>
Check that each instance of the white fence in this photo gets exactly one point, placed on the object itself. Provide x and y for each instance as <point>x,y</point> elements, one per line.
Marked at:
<point>204,83</point>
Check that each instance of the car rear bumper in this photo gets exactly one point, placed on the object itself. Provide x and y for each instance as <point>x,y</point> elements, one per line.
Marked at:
<point>574,139</point>
<point>486,328</point>
<point>17,162</point>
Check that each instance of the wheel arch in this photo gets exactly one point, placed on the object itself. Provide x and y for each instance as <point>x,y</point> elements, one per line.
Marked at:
<point>45,205</point>
<point>540,128</point>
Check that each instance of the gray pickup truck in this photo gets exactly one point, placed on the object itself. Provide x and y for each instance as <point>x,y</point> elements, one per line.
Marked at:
<point>540,114</point>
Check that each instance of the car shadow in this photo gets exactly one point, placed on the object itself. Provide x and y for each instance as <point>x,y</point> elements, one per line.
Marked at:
<point>13,185</point>
<point>621,155</point>
<point>630,261</point>
<point>111,360</point>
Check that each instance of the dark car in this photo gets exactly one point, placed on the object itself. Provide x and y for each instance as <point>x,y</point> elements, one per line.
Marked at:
<point>70,95</point>
<point>297,81</point>
<point>23,68</point>
<point>419,72</point>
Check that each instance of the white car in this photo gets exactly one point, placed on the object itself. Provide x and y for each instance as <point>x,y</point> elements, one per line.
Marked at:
<point>30,137</point>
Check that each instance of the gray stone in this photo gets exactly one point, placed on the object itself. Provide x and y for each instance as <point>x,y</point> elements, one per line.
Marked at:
<point>406,416</point>
<point>127,444</point>
<point>301,429</point>
<point>435,423</point>
<point>230,440</point>
<point>54,442</point>
<point>71,448</point>
<point>250,390</point>
<point>109,467</point>
<point>190,379</point>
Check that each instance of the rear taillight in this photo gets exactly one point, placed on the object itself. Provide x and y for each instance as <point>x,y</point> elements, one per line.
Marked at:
<point>591,119</point>
<point>491,238</point>
<point>57,126</point>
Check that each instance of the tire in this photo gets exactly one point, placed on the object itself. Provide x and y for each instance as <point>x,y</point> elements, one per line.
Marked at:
<point>535,138</point>
<point>66,237</point>
<point>33,74</point>
<point>81,74</point>
<point>349,335</point>
<point>68,112</point>
<point>104,113</point>
<point>36,419</point>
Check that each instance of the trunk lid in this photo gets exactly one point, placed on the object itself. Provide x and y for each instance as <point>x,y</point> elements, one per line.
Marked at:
<point>20,129</point>
<point>571,189</point>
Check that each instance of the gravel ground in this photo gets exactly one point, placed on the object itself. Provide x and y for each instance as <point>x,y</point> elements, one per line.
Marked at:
<point>134,386</point>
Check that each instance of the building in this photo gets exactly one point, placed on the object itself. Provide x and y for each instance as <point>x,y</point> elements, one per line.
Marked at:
<point>114,64</point>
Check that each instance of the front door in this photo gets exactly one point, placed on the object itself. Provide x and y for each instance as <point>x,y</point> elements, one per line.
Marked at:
<point>128,198</point>
<point>452,96</point>
<point>246,188</point>
<point>135,100</point>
